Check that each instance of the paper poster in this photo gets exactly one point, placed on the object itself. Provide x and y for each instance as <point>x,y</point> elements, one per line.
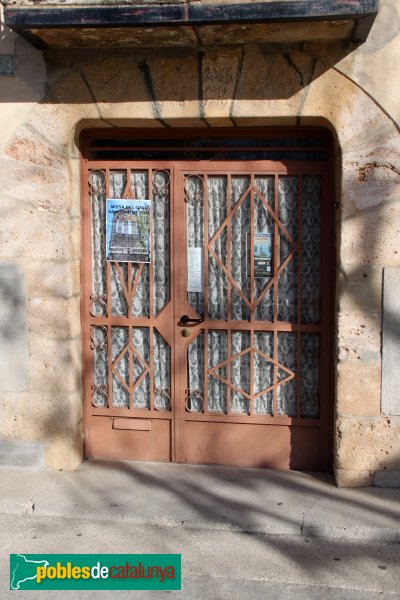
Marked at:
<point>195,270</point>
<point>262,254</point>
<point>128,230</point>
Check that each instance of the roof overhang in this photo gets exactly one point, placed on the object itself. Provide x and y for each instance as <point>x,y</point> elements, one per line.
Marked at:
<point>50,24</point>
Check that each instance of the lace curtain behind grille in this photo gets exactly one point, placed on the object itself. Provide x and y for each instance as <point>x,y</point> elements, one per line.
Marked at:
<point>237,370</point>
<point>130,366</point>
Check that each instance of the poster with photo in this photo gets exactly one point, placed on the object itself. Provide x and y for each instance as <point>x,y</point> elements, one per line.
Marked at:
<point>262,253</point>
<point>128,230</point>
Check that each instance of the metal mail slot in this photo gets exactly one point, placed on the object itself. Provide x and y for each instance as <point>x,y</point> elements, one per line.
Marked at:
<point>133,424</point>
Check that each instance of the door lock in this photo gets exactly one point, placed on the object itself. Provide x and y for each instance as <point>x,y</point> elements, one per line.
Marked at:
<point>185,332</point>
<point>185,320</point>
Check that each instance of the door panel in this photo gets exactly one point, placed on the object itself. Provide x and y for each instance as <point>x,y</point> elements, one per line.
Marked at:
<point>128,322</point>
<point>250,363</point>
<point>110,440</point>
<point>246,380</point>
<point>243,446</point>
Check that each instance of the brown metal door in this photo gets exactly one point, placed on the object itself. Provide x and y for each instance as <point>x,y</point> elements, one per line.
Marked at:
<point>128,321</point>
<point>252,384</point>
<point>218,351</point>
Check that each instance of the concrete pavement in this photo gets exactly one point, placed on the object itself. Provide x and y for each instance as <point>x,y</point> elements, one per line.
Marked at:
<point>200,497</point>
<point>216,565</point>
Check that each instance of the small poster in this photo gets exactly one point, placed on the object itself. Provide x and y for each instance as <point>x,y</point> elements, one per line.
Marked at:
<point>128,230</point>
<point>262,254</point>
<point>195,270</point>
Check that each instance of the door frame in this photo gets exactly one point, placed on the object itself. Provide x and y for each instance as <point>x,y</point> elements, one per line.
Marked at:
<point>177,415</point>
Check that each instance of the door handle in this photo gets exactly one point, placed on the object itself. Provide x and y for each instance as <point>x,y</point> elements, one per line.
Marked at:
<point>185,320</point>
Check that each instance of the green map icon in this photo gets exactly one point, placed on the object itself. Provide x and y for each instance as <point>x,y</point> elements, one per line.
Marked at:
<point>23,569</point>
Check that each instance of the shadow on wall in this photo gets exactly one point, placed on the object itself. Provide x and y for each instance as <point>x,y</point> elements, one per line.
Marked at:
<point>210,79</point>
<point>367,438</point>
<point>84,76</point>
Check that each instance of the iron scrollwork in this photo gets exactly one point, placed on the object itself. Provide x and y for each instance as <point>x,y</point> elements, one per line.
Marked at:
<point>164,399</point>
<point>205,149</point>
<point>194,188</point>
<point>160,179</point>
<point>99,186</point>
<point>194,401</point>
<point>99,299</point>
<point>100,390</point>
<point>98,342</point>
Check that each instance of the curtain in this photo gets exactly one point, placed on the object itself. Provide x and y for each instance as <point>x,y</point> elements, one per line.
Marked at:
<point>235,373</point>
<point>229,382</point>
<point>131,361</point>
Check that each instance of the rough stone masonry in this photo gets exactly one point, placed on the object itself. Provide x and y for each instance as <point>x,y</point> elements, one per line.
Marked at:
<point>354,92</point>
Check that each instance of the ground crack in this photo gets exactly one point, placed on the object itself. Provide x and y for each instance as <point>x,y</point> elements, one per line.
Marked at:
<point>306,511</point>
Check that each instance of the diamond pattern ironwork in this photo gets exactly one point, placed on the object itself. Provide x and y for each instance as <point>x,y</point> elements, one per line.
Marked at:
<point>251,352</point>
<point>227,268</point>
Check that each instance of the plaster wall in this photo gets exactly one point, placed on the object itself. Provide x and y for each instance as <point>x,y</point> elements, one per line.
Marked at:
<point>353,91</point>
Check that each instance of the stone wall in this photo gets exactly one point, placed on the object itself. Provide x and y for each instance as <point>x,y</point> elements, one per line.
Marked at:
<point>353,91</point>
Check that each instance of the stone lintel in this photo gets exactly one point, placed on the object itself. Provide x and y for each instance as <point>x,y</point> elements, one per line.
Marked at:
<point>177,24</point>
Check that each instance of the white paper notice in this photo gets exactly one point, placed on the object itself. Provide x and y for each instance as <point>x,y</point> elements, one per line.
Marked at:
<point>195,270</point>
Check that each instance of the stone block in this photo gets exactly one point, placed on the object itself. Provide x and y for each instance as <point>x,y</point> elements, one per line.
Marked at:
<point>54,317</point>
<point>16,453</point>
<point>75,188</point>
<point>41,186</point>
<point>46,238</point>
<point>175,81</point>
<point>368,444</point>
<point>391,342</point>
<point>20,94</point>
<point>348,478</point>
<point>57,124</point>
<point>360,288</point>
<point>357,120</point>
<point>120,37</point>
<point>55,365</point>
<point>358,389</point>
<point>14,375</point>
<point>374,65</point>
<point>76,233</point>
<point>359,337</point>
<point>65,452</point>
<point>29,147</point>
<point>55,421</point>
<point>372,237</point>
<point>53,278</point>
<point>12,113</point>
<point>371,175</point>
<point>119,88</point>
<point>219,74</point>
<point>387,479</point>
<point>271,84</point>
<point>39,416</point>
<point>272,33</point>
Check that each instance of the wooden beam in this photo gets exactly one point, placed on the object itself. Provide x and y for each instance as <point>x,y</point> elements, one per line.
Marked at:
<point>297,10</point>
<point>28,17</point>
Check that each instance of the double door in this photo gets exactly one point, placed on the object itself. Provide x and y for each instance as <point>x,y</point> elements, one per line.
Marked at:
<point>218,350</point>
